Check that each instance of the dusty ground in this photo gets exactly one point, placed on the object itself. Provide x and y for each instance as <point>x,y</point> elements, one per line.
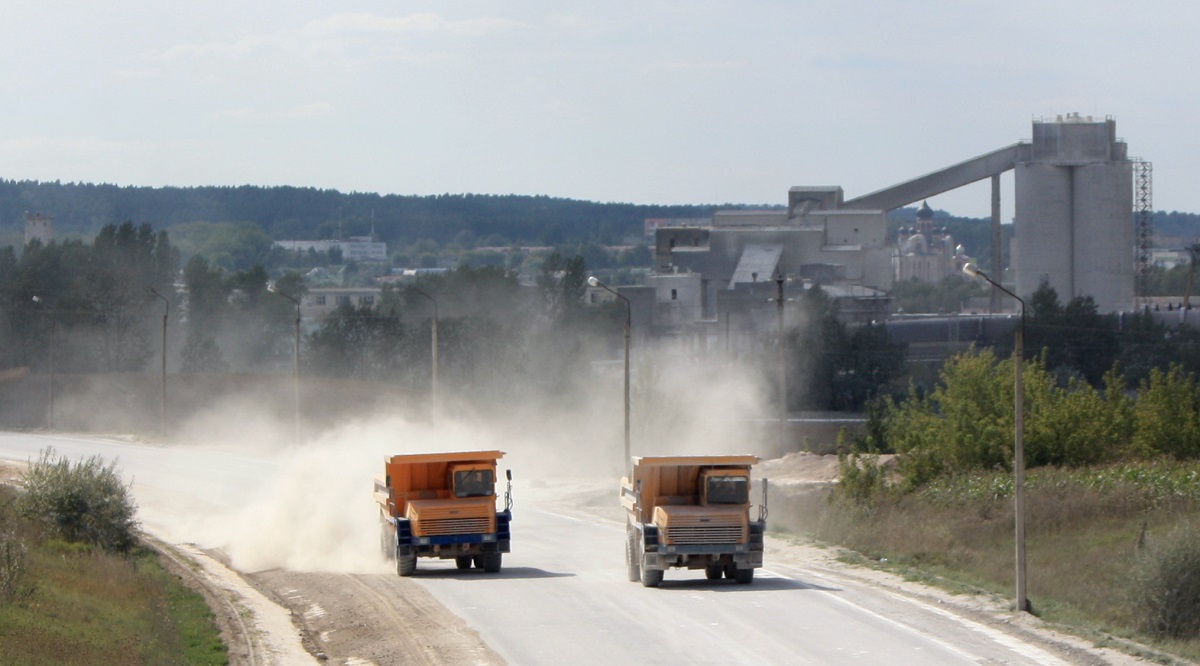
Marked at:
<point>284,617</point>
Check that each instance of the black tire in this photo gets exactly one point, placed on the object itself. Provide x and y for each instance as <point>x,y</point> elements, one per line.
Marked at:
<point>633,559</point>
<point>730,571</point>
<point>463,562</point>
<point>743,575</point>
<point>387,542</point>
<point>713,571</point>
<point>489,562</point>
<point>406,565</point>
<point>651,577</point>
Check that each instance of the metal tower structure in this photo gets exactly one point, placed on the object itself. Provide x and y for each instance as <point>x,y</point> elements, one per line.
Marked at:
<point>1143,211</point>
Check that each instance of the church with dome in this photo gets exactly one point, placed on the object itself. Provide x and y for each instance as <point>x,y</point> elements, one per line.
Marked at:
<point>925,253</point>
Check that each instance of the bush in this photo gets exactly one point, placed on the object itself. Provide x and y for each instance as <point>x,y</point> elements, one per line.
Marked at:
<point>84,502</point>
<point>862,479</point>
<point>1166,586</point>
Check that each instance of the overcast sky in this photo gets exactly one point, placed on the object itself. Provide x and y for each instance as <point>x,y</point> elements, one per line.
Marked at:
<point>694,102</point>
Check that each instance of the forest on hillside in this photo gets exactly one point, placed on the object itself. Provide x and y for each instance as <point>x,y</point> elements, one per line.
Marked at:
<point>311,214</point>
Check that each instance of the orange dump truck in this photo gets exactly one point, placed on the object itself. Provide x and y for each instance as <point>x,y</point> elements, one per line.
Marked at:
<point>443,505</point>
<point>692,512</point>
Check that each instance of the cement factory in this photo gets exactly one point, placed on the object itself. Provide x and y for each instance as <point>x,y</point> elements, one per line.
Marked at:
<point>1081,225</point>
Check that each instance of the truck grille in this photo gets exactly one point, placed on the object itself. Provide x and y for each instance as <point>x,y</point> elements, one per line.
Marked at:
<point>696,530</point>
<point>449,517</point>
<point>444,526</point>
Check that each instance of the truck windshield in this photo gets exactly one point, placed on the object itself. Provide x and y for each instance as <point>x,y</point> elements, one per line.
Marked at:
<point>474,483</point>
<point>728,490</point>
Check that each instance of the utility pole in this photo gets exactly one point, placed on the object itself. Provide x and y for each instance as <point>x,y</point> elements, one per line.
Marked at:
<point>782,365</point>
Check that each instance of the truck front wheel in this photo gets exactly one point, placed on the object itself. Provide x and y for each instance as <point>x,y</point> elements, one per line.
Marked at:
<point>651,577</point>
<point>405,564</point>
<point>632,560</point>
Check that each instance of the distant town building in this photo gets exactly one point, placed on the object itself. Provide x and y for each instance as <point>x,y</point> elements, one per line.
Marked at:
<point>40,227</point>
<point>355,248</point>
<point>1168,259</point>
<point>319,303</point>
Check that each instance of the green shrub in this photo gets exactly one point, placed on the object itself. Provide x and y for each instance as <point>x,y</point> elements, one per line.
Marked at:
<point>82,502</point>
<point>1167,415</point>
<point>1166,586</point>
<point>861,479</point>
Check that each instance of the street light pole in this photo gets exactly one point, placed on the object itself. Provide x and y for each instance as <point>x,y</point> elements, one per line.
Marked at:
<point>162,392</point>
<point>1018,438</point>
<point>628,321</point>
<point>296,369</point>
<point>782,365</point>
<point>434,396</point>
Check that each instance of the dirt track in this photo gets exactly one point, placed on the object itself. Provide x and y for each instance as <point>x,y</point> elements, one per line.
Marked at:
<point>376,619</point>
<point>383,619</point>
<point>287,617</point>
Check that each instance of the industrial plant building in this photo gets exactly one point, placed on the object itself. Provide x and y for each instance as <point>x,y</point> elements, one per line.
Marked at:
<point>1074,229</point>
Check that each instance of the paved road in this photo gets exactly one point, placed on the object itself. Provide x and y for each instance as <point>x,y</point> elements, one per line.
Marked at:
<point>562,596</point>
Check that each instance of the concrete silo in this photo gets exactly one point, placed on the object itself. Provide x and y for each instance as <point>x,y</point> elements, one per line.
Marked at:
<point>1074,213</point>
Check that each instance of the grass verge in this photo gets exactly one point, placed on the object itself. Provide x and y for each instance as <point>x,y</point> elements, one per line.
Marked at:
<point>1088,535</point>
<point>81,606</point>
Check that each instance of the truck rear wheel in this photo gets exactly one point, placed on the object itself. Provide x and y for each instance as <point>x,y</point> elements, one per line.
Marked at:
<point>743,575</point>
<point>489,562</point>
<point>632,570</point>
<point>651,577</point>
<point>405,564</point>
<point>713,571</point>
<point>463,561</point>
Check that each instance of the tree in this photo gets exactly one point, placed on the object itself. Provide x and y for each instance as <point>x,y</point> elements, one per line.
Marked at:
<point>1167,415</point>
<point>361,343</point>
<point>207,302</point>
<point>946,296</point>
<point>114,292</point>
<point>833,368</point>
<point>1076,339</point>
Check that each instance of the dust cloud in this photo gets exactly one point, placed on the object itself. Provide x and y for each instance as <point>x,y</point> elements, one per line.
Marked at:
<point>311,508</point>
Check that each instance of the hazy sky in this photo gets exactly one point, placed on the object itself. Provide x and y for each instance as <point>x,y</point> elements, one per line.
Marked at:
<point>645,102</point>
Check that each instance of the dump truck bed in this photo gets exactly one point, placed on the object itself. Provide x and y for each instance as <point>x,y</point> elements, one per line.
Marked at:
<point>422,476</point>
<point>672,480</point>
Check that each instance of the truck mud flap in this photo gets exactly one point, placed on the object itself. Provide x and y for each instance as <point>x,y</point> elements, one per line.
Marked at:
<point>403,533</point>
<point>503,534</point>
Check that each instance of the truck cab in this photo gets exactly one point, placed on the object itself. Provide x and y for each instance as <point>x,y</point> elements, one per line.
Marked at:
<point>692,512</point>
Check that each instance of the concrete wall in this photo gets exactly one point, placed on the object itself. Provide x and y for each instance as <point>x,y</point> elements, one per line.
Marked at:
<point>1044,233</point>
<point>864,228</point>
<point>678,297</point>
<point>1104,238</point>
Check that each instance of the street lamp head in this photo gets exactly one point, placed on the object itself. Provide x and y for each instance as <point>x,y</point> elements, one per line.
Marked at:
<point>970,269</point>
<point>593,281</point>
<point>37,299</point>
